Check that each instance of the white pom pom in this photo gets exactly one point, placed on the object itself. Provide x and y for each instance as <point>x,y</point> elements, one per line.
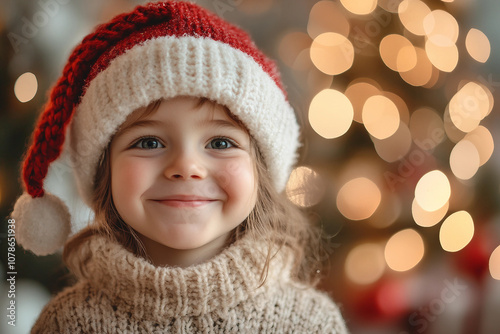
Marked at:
<point>42,224</point>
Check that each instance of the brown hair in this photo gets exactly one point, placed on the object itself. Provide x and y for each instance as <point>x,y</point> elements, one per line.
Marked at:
<point>274,219</point>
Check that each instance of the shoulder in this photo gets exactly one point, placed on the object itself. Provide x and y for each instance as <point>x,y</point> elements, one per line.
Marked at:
<point>69,311</point>
<point>306,310</point>
<point>324,313</point>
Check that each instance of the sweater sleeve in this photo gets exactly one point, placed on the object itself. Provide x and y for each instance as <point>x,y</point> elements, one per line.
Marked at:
<point>66,312</point>
<point>328,318</point>
<point>322,314</point>
<point>299,309</point>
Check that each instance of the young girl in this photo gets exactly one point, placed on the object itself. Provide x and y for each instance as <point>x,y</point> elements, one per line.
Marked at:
<point>182,140</point>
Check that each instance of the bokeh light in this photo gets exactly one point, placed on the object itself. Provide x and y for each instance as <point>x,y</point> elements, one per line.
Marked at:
<point>325,16</point>
<point>316,81</point>
<point>425,218</point>
<point>469,106</point>
<point>358,198</point>
<point>441,28</point>
<point>396,146</point>
<point>483,140</point>
<point>388,212</point>
<point>426,128</point>
<point>398,53</point>
<point>290,48</point>
<point>25,87</point>
<point>412,14</point>
<point>380,116</point>
<point>404,112</point>
<point>364,164</point>
<point>390,6</point>
<point>421,74</point>
<point>365,263</point>
<point>478,45</point>
<point>330,113</point>
<point>443,57</point>
<point>489,96</point>
<point>464,160</point>
<point>433,190</point>
<point>332,53</point>
<point>359,7</point>
<point>452,132</point>
<point>434,80</point>
<point>404,250</point>
<point>494,263</point>
<point>464,194</point>
<point>358,92</point>
<point>304,187</point>
<point>456,231</point>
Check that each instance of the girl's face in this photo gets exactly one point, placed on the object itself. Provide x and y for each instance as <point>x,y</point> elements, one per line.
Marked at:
<point>183,177</point>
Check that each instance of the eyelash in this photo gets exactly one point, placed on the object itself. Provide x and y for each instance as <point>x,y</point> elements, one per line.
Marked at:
<point>230,141</point>
<point>141,139</point>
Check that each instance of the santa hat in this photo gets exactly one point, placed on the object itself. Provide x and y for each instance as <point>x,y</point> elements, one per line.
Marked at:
<point>158,51</point>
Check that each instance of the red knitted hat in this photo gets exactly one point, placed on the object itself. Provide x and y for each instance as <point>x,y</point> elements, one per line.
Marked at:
<point>158,51</point>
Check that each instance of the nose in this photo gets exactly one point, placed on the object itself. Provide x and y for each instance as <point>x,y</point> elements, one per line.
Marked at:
<point>184,165</point>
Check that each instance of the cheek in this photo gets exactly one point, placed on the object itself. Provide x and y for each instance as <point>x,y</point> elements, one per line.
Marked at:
<point>129,179</point>
<point>237,178</point>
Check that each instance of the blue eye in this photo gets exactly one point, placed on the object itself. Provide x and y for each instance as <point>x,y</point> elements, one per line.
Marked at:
<point>148,143</point>
<point>220,144</point>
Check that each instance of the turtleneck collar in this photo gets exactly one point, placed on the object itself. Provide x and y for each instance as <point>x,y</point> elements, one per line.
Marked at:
<point>213,286</point>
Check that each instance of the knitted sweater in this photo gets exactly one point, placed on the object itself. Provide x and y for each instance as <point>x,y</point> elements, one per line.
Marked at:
<point>118,292</point>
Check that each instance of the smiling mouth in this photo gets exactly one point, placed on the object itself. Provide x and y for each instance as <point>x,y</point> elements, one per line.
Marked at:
<point>185,202</point>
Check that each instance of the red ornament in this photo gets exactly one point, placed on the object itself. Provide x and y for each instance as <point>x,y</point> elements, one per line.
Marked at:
<point>385,301</point>
<point>474,258</point>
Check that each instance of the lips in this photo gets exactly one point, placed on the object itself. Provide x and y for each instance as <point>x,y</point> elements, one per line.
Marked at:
<point>185,201</point>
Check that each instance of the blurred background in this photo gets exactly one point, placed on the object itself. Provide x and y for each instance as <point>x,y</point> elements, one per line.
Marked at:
<point>397,104</point>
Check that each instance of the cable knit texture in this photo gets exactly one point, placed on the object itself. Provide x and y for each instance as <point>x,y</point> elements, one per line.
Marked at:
<point>118,292</point>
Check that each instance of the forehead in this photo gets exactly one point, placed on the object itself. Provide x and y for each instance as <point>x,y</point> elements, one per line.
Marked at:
<point>204,108</point>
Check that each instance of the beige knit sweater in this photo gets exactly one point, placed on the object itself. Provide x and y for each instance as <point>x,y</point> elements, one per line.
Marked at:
<point>118,292</point>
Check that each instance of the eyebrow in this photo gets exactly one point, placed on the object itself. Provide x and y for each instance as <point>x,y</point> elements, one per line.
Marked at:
<point>138,124</point>
<point>219,123</point>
